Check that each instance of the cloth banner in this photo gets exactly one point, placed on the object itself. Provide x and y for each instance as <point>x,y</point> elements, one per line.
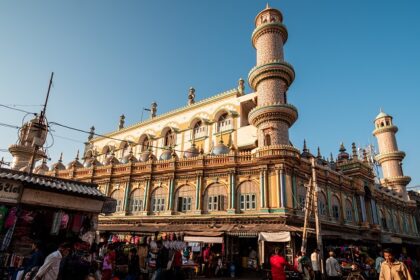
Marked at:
<point>283,236</point>
<point>204,239</point>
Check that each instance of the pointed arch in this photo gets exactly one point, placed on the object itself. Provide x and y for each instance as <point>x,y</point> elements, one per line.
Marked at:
<point>118,195</point>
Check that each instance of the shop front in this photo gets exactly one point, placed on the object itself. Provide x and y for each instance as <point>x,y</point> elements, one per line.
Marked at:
<point>47,210</point>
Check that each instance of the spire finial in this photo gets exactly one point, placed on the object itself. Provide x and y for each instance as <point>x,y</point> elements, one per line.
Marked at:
<point>61,158</point>
<point>77,155</point>
<point>91,133</point>
<point>331,158</point>
<point>267,6</point>
<point>304,145</point>
<point>354,151</point>
<point>319,153</point>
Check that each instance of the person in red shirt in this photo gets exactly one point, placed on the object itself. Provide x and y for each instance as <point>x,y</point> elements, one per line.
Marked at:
<point>278,264</point>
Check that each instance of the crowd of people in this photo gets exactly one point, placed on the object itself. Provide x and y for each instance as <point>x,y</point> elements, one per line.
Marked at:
<point>160,260</point>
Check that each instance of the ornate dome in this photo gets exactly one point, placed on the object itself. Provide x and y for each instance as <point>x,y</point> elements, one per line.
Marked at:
<point>381,115</point>
<point>168,154</point>
<point>129,158</point>
<point>191,152</point>
<point>146,155</point>
<point>220,149</point>
<point>41,169</point>
<point>305,152</point>
<point>75,163</point>
<point>343,155</point>
<point>58,165</point>
<point>89,162</point>
<point>111,159</point>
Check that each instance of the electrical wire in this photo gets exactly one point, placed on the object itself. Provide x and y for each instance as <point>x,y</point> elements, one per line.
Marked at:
<point>108,137</point>
<point>23,105</point>
<point>16,109</point>
<point>9,125</point>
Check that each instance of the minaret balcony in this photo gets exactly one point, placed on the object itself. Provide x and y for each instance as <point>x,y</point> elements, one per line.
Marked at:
<point>271,27</point>
<point>390,128</point>
<point>273,112</point>
<point>396,181</point>
<point>394,155</point>
<point>275,69</point>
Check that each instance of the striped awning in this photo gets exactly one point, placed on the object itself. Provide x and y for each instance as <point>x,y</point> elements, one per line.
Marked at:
<point>243,234</point>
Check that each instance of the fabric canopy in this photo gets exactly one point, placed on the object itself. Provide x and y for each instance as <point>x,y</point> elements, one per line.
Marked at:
<point>204,239</point>
<point>283,236</point>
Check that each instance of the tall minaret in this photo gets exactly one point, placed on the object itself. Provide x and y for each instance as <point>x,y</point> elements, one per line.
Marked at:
<point>389,157</point>
<point>270,78</point>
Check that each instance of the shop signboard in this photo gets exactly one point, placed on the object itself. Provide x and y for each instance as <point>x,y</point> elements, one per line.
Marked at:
<point>9,191</point>
<point>62,201</point>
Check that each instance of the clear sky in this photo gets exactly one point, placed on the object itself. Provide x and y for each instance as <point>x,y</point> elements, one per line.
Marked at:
<point>113,57</point>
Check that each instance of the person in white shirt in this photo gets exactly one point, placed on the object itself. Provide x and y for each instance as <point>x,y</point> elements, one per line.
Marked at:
<point>49,270</point>
<point>332,268</point>
<point>316,264</point>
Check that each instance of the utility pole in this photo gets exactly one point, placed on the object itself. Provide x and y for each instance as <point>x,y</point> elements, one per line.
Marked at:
<point>317,223</point>
<point>41,126</point>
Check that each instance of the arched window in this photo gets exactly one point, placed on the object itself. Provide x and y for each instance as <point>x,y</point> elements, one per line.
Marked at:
<point>158,200</point>
<point>215,198</point>
<point>267,140</point>
<point>185,199</point>
<point>124,149</point>
<point>322,205</point>
<point>224,123</point>
<point>349,211</point>
<point>145,144</point>
<point>335,207</point>
<point>118,195</point>
<point>247,196</point>
<point>199,130</point>
<point>137,201</point>
<point>169,138</point>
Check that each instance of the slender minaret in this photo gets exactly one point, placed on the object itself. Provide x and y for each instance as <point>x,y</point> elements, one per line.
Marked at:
<point>389,157</point>
<point>270,78</point>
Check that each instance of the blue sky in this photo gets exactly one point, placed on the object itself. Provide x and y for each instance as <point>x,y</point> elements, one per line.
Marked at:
<point>114,57</point>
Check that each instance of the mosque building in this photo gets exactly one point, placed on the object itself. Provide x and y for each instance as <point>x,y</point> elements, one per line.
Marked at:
<point>224,166</point>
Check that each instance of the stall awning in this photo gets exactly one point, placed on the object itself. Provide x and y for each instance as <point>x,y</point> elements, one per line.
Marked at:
<point>283,236</point>
<point>204,239</point>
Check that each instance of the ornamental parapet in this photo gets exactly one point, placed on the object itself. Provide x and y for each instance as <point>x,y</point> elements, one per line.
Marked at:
<point>273,112</point>
<point>271,69</point>
<point>394,155</point>
<point>277,151</point>
<point>273,27</point>
<point>396,181</point>
<point>391,128</point>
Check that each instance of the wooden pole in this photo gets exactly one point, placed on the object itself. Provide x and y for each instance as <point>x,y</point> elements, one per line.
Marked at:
<point>317,223</point>
<point>307,215</point>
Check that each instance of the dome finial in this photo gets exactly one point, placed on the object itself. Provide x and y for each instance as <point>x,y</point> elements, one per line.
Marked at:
<point>319,153</point>
<point>61,158</point>
<point>77,155</point>
<point>304,145</point>
<point>267,6</point>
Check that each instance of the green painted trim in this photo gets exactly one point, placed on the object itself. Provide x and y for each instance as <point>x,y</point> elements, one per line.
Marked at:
<point>171,190</point>
<point>277,210</point>
<point>197,194</point>
<point>262,191</point>
<point>231,211</point>
<point>356,211</point>
<point>126,196</point>
<point>265,210</point>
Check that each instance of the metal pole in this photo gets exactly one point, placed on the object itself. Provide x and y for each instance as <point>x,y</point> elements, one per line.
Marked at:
<point>317,223</point>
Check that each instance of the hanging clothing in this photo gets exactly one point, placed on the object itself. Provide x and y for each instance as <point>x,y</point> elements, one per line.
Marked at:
<point>55,228</point>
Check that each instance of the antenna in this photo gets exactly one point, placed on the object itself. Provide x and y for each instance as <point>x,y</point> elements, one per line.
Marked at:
<point>46,99</point>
